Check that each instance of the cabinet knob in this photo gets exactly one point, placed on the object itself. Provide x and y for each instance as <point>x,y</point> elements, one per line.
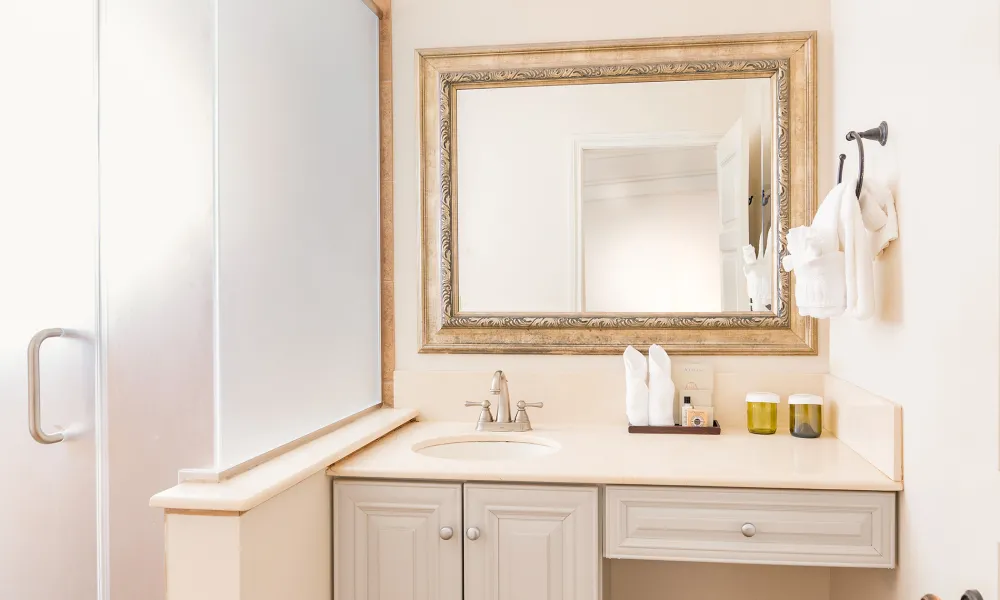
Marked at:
<point>748,530</point>
<point>446,533</point>
<point>472,533</point>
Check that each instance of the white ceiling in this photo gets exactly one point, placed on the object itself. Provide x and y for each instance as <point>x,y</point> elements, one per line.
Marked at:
<point>642,171</point>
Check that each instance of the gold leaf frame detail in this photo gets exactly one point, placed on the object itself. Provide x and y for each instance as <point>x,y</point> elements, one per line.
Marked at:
<point>787,59</point>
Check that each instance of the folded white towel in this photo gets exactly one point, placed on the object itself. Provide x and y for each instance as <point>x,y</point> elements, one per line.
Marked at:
<point>878,212</point>
<point>636,391</point>
<point>661,388</point>
<point>833,257</point>
<point>806,243</point>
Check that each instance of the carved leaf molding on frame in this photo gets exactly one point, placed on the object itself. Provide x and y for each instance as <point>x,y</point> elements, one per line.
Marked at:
<point>450,82</point>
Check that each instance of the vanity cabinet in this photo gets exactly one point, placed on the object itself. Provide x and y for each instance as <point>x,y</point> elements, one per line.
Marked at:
<point>528,542</point>
<point>415,541</point>
<point>397,541</point>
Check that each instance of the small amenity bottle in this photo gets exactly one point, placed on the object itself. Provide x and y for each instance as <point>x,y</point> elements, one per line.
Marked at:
<point>685,407</point>
<point>762,412</point>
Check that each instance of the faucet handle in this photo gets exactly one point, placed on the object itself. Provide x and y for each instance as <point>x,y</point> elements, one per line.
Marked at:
<point>522,415</point>
<point>485,416</point>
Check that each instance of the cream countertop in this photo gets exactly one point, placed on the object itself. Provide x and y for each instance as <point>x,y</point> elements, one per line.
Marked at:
<point>610,455</point>
<point>252,488</point>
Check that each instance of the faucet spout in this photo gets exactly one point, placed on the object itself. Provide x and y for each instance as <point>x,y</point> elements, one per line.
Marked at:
<point>499,388</point>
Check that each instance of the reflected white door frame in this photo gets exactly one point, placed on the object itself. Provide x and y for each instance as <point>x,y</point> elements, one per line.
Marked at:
<point>582,143</point>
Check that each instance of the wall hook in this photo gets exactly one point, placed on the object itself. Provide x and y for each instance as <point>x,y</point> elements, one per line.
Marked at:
<point>880,134</point>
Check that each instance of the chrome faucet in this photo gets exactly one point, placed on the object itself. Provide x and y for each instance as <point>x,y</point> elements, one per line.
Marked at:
<point>499,388</point>
<point>503,421</point>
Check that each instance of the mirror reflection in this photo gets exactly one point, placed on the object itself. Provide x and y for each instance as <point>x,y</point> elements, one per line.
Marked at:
<point>649,197</point>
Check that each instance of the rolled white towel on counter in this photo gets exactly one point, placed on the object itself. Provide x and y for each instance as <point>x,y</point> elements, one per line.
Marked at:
<point>661,388</point>
<point>636,390</point>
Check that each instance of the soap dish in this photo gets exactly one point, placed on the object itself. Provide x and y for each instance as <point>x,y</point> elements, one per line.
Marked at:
<point>713,430</point>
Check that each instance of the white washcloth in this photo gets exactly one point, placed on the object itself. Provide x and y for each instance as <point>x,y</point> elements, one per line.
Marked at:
<point>819,286</point>
<point>806,243</point>
<point>878,212</point>
<point>815,256</point>
<point>636,391</point>
<point>661,388</point>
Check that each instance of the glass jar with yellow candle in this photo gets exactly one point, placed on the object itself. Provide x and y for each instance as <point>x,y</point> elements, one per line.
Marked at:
<point>762,412</point>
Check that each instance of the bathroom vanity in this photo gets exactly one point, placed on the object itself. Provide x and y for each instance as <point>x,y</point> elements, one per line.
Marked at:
<point>535,515</point>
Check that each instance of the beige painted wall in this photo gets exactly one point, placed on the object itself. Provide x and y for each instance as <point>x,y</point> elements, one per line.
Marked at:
<point>934,345</point>
<point>280,549</point>
<point>647,580</point>
<point>438,23</point>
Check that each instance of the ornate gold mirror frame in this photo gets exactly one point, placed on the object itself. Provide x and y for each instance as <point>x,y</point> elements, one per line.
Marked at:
<point>788,59</point>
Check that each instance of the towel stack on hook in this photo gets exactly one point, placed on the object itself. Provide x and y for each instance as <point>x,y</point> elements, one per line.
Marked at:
<point>833,258</point>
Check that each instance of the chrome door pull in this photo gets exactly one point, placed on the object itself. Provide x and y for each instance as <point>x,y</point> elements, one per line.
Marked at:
<point>34,395</point>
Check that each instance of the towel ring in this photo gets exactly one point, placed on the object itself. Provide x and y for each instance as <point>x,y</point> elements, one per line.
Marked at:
<point>880,134</point>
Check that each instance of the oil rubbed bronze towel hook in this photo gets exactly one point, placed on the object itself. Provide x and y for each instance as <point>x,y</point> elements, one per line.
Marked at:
<point>881,134</point>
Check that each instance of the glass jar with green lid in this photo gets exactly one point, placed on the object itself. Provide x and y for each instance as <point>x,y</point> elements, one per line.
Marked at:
<point>805,415</point>
<point>762,412</point>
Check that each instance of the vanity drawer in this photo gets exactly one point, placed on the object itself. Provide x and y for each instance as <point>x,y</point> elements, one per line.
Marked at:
<point>777,527</point>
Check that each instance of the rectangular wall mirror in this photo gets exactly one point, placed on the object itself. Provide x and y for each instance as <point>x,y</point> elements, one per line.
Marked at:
<point>580,198</point>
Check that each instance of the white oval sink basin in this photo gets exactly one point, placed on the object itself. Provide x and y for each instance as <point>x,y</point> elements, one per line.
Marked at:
<point>495,446</point>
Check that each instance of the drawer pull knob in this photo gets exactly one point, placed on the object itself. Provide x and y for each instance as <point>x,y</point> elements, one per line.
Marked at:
<point>472,533</point>
<point>748,530</point>
<point>446,533</point>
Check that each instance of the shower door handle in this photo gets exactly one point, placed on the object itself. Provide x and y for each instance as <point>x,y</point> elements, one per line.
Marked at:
<point>34,389</point>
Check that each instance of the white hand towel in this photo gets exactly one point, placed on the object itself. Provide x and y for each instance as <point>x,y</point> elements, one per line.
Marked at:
<point>878,212</point>
<point>661,388</point>
<point>859,275</point>
<point>636,391</point>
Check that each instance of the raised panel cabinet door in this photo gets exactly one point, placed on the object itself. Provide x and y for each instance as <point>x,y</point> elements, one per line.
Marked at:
<point>397,541</point>
<point>531,543</point>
